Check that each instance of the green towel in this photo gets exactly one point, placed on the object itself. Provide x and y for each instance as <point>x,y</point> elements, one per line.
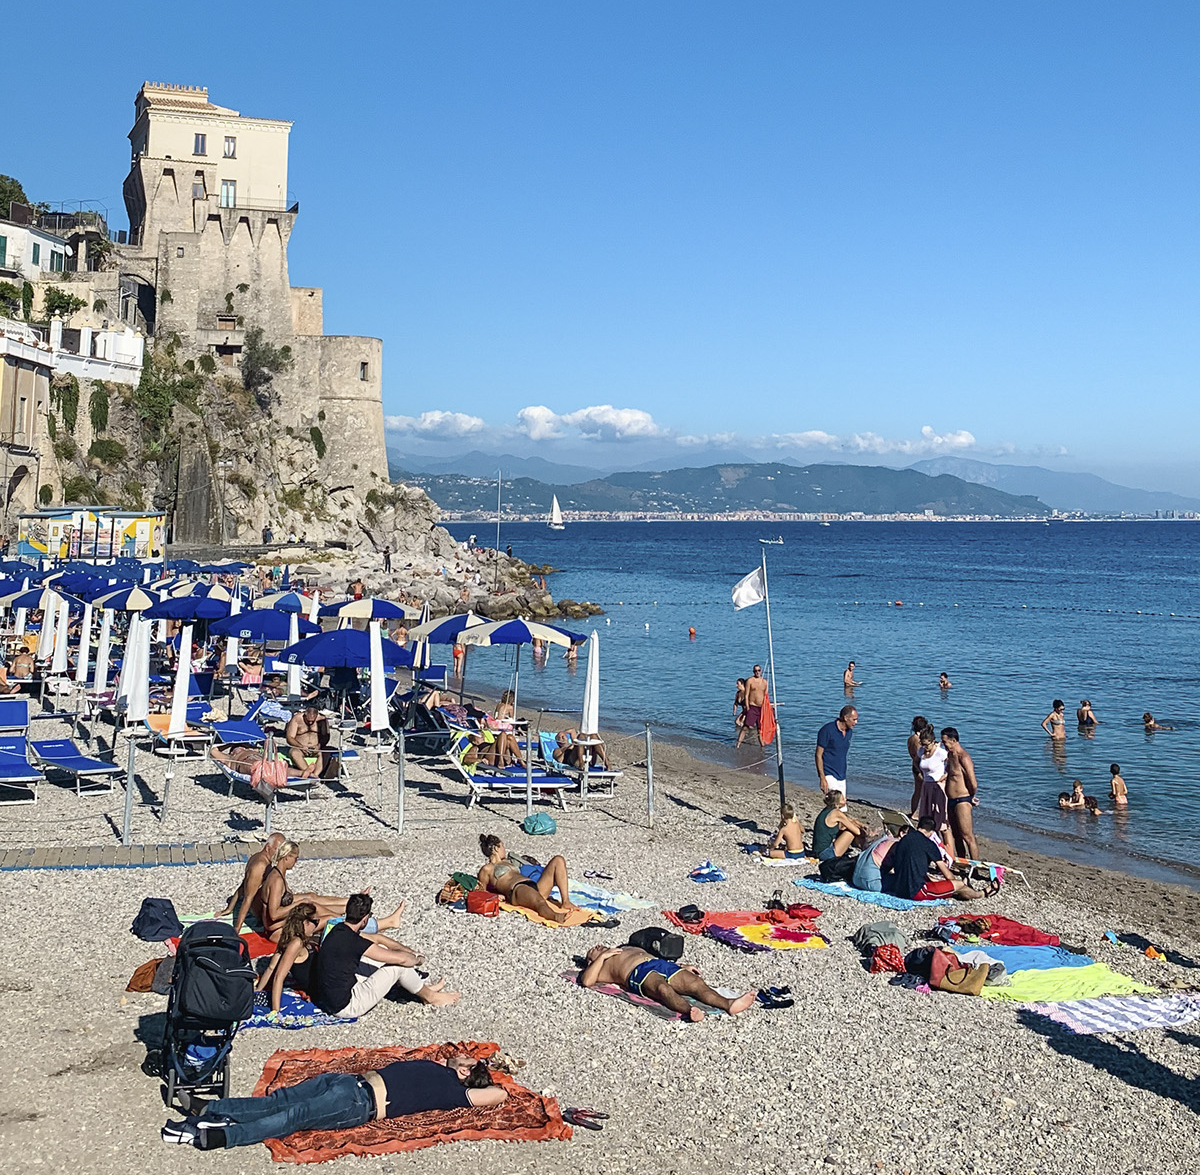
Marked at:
<point>1053,984</point>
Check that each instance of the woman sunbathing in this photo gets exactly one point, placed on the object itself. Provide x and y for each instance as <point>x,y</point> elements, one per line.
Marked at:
<point>503,876</point>
<point>275,898</point>
<point>291,964</point>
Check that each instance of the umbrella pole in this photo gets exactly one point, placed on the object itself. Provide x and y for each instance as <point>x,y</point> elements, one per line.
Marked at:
<point>462,681</point>
<point>649,776</point>
<point>528,776</point>
<point>128,795</point>
<point>400,782</point>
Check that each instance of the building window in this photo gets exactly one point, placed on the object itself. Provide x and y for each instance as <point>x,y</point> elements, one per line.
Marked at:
<point>178,250</point>
<point>364,371</point>
<point>229,193</point>
<point>3,250</point>
<point>226,322</point>
<point>201,147</point>
<point>56,261</point>
<point>230,147</point>
<point>198,192</point>
<point>37,253</point>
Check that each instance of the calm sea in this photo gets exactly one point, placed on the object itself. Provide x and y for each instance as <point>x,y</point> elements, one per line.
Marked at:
<point>1017,614</point>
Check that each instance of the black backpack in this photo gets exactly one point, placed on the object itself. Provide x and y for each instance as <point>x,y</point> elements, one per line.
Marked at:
<point>659,942</point>
<point>838,868</point>
<point>213,979</point>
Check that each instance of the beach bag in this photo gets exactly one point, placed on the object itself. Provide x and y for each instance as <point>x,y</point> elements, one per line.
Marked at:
<point>156,921</point>
<point>479,901</point>
<point>886,957</point>
<point>963,980</point>
<point>450,893</point>
<point>269,774</point>
<point>539,824</point>
<point>659,942</point>
<point>838,868</point>
<point>213,978</point>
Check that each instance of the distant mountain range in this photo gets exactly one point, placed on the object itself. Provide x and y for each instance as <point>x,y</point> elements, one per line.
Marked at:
<point>484,465</point>
<point>1062,491</point>
<point>762,488</point>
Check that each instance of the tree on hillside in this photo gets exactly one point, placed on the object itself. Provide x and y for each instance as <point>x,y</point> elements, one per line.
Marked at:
<point>261,361</point>
<point>10,190</point>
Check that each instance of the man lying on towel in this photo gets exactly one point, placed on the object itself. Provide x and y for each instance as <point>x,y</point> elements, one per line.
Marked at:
<point>907,868</point>
<point>335,1101</point>
<point>664,982</point>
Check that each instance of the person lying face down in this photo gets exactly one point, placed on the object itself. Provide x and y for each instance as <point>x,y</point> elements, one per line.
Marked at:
<point>337,1101</point>
<point>670,984</point>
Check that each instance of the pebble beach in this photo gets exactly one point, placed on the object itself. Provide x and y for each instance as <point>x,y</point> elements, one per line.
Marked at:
<point>858,1076</point>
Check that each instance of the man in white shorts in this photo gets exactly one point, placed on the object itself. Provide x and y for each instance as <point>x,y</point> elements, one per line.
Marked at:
<point>833,746</point>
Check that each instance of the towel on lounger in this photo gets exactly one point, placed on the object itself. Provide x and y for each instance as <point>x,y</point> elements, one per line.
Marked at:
<point>524,1117</point>
<point>886,900</point>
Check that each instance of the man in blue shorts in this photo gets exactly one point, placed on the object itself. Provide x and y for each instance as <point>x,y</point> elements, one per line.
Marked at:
<point>833,745</point>
<point>664,982</point>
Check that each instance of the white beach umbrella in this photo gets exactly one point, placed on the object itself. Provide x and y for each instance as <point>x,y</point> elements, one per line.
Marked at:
<point>293,670</point>
<point>590,720</point>
<point>183,676</point>
<point>137,662</point>
<point>100,681</point>
<point>58,663</point>
<point>160,632</point>
<point>232,652</point>
<point>85,645</point>
<point>46,636</point>
<point>379,692</point>
<point>315,606</point>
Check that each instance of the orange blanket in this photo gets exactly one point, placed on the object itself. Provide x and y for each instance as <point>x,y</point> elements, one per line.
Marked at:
<point>524,1117</point>
<point>766,724</point>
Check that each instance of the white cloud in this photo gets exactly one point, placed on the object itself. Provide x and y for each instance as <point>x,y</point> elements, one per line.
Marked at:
<point>599,422</point>
<point>436,425</point>
<point>691,441</point>
<point>929,441</point>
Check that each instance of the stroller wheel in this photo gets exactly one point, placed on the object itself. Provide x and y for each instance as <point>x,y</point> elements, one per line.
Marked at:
<point>225,1080</point>
<point>170,1098</point>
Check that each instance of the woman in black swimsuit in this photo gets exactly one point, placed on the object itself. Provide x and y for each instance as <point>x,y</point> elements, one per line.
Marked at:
<point>503,876</point>
<point>291,964</point>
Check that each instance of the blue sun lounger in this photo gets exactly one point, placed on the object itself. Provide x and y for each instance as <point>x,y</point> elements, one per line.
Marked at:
<point>14,715</point>
<point>243,730</point>
<point>61,754</point>
<point>17,775</point>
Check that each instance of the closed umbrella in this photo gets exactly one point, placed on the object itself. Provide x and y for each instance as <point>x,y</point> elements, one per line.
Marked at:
<point>314,607</point>
<point>100,681</point>
<point>137,664</point>
<point>590,719</point>
<point>183,677</point>
<point>85,645</point>
<point>231,644</point>
<point>49,618</point>
<point>420,646</point>
<point>293,675</point>
<point>62,636</point>
<point>379,692</point>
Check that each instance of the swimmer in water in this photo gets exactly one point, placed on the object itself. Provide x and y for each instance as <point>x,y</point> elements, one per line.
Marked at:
<point>1054,724</point>
<point>848,677</point>
<point>1084,715</point>
<point>1151,726</point>
<point>1074,799</point>
<point>1117,788</point>
<point>944,682</point>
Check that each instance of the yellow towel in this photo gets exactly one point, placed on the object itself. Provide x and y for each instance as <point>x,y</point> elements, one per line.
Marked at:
<point>575,918</point>
<point>761,933</point>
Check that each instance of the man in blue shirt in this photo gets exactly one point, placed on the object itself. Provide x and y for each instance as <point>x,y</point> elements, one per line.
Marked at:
<point>833,745</point>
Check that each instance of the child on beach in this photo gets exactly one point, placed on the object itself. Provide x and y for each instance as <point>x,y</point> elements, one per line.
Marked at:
<point>789,840</point>
<point>1093,806</point>
<point>1117,788</point>
<point>1074,799</point>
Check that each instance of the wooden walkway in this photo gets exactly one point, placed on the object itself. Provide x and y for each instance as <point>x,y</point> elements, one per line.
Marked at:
<point>152,856</point>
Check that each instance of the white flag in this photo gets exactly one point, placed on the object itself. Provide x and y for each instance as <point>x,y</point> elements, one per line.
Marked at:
<point>750,590</point>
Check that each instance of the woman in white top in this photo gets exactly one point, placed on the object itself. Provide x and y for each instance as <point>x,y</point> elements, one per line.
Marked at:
<point>934,803</point>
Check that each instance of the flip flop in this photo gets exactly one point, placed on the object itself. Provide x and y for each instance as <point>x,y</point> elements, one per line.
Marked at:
<point>605,923</point>
<point>596,873</point>
<point>581,1118</point>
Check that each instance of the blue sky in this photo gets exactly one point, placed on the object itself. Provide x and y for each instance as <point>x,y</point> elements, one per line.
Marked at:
<point>619,232</point>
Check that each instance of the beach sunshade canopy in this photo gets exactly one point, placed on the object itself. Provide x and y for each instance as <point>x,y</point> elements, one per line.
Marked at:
<point>187,565</point>
<point>346,648</point>
<point>283,602</point>
<point>265,624</point>
<point>223,568</point>
<point>211,591</point>
<point>42,598</point>
<point>128,599</point>
<point>447,630</point>
<point>188,608</point>
<point>14,567</point>
<point>368,608</point>
<point>517,632</point>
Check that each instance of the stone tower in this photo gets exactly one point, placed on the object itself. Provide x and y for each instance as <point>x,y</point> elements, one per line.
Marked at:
<point>210,219</point>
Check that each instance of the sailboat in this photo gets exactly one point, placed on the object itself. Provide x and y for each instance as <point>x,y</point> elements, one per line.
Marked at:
<point>556,522</point>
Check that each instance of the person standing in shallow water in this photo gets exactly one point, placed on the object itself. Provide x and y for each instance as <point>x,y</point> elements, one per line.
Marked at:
<point>848,677</point>
<point>756,696</point>
<point>1054,724</point>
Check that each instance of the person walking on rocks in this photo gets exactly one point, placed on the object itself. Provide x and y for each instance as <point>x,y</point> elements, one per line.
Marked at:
<point>387,559</point>
<point>833,747</point>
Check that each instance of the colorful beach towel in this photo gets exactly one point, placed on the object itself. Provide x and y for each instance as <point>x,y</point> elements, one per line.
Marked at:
<point>640,1001</point>
<point>996,928</point>
<point>781,938</point>
<point>524,1117</point>
<point>258,945</point>
<point>593,897</point>
<point>1065,983</point>
<point>295,1011</point>
<point>886,900</point>
<point>756,930</point>
<point>1030,958</point>
<point>1117,1013</point>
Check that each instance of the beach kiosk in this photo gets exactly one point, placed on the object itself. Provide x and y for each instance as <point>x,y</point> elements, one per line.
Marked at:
<point>90,534</point>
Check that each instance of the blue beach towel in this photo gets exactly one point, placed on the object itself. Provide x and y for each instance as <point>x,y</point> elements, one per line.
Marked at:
<point>707,871</point>
<point>294,1012</point>
<point>1030,958</point>
<point>886,900</point>
<point>594,897</point>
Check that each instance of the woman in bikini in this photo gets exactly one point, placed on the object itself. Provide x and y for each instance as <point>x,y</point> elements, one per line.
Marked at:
<point>275,899</point>
<point>503,876</point>
<point>291,964</point>
<point>914,753</point>
<point>1054,724</point>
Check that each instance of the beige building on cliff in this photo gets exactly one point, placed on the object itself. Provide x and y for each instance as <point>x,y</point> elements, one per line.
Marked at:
<point>210,219</point>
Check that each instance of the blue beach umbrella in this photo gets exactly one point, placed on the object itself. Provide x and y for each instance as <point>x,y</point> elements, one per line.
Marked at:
<point>265,624</point>
<point>446,631</point>
<point>128,599</point>
<point>518,632</point>
<point>283,602</point>
<point>368,608</point>
<point>188,608</point>
<point>210,591</point>
<point>42,598</point>
<point>345,648</point>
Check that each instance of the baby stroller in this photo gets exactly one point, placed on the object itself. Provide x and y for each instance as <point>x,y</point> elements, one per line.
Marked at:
<point>212,991</point>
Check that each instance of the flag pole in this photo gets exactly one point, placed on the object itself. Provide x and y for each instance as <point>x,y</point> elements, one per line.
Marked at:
<point>774,694</point>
